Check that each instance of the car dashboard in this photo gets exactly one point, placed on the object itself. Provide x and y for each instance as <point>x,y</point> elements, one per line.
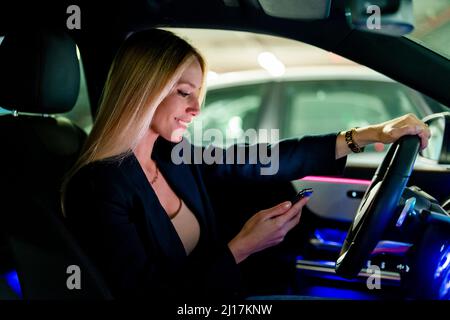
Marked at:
<point>387,273</point>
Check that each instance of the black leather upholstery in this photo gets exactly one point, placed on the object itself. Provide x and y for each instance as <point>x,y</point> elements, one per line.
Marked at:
<point>37,152</point>
<point>40,74</point>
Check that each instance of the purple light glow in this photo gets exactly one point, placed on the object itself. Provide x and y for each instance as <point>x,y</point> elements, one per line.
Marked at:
<point>336,180</point>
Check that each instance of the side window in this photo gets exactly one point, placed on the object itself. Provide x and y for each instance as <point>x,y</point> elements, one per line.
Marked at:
<point>231,111</point>
<point>317,107</point>
<point>81,112</point>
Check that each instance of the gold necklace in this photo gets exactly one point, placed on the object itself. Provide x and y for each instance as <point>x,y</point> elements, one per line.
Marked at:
<point>153,180</point>
<point>179,208</point>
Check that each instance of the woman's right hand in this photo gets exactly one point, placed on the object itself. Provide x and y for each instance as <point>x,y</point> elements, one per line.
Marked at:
<point>266,229</point>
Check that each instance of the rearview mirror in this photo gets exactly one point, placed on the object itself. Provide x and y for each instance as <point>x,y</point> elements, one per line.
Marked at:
<point>439,144</point>
<point>389,17</point>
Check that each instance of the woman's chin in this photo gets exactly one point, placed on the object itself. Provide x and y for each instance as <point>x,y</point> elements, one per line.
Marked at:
<point>178,139</point>
<point>176,136</point>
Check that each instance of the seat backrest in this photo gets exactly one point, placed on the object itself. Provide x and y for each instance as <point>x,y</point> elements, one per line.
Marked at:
<point>39,78</point>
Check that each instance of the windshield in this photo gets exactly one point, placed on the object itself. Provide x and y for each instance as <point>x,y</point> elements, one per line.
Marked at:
<point>432,25</point>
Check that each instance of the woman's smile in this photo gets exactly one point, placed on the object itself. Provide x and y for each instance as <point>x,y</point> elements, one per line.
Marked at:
<point>183,123</point>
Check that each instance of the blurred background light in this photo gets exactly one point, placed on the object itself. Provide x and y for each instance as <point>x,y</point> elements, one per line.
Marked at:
<point>271,63</point>
<point>211,76</point>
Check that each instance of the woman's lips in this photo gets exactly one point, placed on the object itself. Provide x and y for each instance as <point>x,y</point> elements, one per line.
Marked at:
<point>183,123</point>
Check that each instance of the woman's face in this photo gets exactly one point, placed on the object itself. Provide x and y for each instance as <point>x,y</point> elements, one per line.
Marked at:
<point>178,109</point>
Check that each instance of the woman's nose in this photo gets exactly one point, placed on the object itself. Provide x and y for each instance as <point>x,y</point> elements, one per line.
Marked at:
<point>194,108</point>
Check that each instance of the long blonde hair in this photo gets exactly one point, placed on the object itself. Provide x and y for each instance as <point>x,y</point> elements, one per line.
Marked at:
<point>143,72</point>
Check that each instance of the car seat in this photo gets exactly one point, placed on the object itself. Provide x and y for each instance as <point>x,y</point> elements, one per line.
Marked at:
<point>39,79</point>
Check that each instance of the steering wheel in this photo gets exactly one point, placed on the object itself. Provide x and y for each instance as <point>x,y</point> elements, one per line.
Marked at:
<point>377,208</point>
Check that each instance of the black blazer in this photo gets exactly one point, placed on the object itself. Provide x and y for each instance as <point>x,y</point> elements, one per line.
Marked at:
<point>117,218</point>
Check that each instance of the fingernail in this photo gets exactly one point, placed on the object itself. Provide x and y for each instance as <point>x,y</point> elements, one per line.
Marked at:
<point>287,204</point>
<point>418,129</point>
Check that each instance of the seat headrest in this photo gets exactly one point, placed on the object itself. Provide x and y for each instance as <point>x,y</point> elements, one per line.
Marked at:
<point>39,71</point>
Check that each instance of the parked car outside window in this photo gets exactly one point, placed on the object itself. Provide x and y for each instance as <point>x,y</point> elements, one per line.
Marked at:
<point>309,100</point>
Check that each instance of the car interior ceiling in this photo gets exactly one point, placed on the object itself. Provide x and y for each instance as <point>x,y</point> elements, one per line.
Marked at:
<point>107,25</point>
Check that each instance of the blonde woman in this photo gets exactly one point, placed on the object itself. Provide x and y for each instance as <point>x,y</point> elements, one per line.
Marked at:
<point>147,222</point>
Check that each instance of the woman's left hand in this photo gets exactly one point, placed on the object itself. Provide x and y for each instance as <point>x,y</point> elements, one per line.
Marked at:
<point>408,124</point>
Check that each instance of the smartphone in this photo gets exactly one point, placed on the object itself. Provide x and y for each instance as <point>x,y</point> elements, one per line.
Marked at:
<point>302,193</point>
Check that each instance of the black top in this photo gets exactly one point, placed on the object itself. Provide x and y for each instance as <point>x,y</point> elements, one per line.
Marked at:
<point>114,213</point>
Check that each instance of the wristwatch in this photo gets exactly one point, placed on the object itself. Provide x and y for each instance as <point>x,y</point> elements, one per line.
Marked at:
<point>351,143</point>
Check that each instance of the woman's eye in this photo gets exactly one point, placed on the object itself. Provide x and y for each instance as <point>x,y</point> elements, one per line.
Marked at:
<point>183,94</point>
